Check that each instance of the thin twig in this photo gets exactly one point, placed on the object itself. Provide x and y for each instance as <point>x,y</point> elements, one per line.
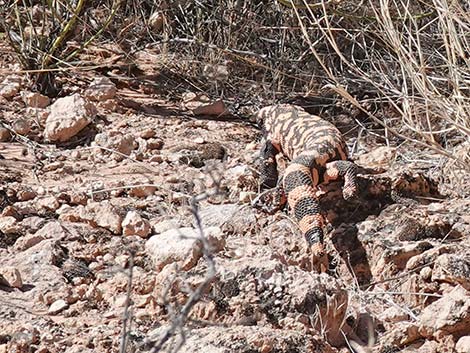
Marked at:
<point>179,321</point>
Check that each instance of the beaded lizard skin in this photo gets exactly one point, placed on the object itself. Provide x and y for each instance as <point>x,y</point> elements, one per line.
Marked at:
<point>317,153</point>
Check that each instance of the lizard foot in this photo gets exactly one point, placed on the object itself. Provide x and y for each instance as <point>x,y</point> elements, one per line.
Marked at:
<point>319,258</point>
<point>270,201</point>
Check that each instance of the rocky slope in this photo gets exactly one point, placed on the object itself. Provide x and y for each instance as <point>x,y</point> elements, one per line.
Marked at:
<point>100,243</point>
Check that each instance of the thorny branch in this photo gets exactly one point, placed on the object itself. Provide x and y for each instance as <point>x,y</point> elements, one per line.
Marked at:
<point>181,318</point>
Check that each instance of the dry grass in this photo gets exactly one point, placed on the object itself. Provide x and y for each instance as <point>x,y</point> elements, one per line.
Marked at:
<point>397,64</point>
<point>412,57</point>
<point>402,65</point>
<point>47,37</point>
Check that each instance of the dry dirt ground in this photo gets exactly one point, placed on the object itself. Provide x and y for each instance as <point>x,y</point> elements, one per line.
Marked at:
<point>99,243</point>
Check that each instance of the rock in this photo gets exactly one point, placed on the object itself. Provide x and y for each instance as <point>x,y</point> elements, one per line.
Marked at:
<point>25,208</point>
<point>37,114</point>
<point>69,115</point>
<point>53,166</point>
<point>97,214</point>
<point>48,203</point>
<point>110,105</point>
<point>33,223</point>
<point>154,144</point>
<point>426,347</point>
<point>379,158</point>
<point>120,301</point>
<point>453,268</point>
<point>123,144</point>
<point>106,215</point>
<point>463,345</point>
<point>35,99</point>
<point>240,338</point>
<point>40,274</point>
<point>196,155</point>
<point>243,222</point>
<point>217,215</point>
<point>5,135</point>
<point>21,126</point>
<point>144,283</point>
<point>147,133</point>
<point>320,292</point>
<point>215,108</point>
<point>241,179</point>
<point>428,256</point>
<point>252,288</point>
<point>393,314</point>
<point>450,315</point>
<point>77,348</point>
<point>28,241</point>
<point>78,198</point>
<point>9,225</point>
<point>25,194</point>
<point>165,225</point>
<point>10,211</point>
<point>53,230</point>
<point>101,89</point>
<point>200,104</point>
<point>76,155</point>
<point>425,273</point>
<point>57,306</point>
<point>142,191</point>
<point>402,334</point>
<point>398,255</point>
<point>134,224</point>
<point>23,337</point>
<point>182,246</point>
<point>11,277</point>
<point>10,86</point>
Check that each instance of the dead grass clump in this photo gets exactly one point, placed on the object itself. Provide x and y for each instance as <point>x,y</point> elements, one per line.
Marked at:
<point>48,36</point>
<point>412,57</point>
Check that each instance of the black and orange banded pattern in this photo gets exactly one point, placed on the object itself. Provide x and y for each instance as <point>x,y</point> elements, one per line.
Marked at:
<point>317,153</point>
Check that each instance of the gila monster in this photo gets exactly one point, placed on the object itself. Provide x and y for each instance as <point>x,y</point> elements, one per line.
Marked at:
<point>317,153</point>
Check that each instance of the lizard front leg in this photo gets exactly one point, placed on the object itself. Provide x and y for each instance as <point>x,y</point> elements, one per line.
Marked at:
<point>268,165</point>
<point>274,199</point>
<point>301,196</point>
<point>346,170</point>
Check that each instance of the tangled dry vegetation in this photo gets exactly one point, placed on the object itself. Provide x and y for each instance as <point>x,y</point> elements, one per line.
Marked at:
<point>128,166</point>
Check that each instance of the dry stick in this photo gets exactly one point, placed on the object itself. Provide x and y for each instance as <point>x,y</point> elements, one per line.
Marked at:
<point>69,26</point>
<point>182,317</point>
<point>114,9</point>
<point>142,164</point>
<point>127,316</point>
<point>407,273</point>
<point>35,145</point>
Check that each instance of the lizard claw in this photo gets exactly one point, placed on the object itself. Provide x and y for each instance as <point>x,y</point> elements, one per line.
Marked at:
<point>319,258</point>
<point>269,201</point>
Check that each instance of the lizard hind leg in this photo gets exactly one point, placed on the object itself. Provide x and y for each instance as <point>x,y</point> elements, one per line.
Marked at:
<point>301,196</point>
<point>302,199</point>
